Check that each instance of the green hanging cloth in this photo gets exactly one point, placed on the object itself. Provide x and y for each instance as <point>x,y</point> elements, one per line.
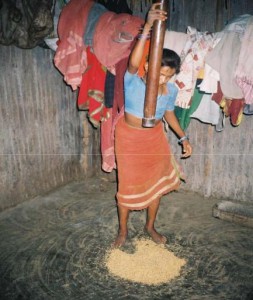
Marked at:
<point>184,114</point>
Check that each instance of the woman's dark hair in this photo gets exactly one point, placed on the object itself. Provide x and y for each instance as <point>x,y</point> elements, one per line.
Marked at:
<point>171,59</point>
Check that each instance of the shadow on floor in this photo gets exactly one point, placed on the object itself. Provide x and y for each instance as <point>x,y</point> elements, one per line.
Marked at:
<point>53,247</point>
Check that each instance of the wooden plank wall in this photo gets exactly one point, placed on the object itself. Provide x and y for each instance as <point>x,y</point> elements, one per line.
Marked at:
<point>201,14</point>
<point>222,162</point>
<point>40,133</point>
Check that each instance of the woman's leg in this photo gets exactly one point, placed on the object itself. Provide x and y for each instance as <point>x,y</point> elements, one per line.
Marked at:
<point>150,227</point>
<point>123,214</point>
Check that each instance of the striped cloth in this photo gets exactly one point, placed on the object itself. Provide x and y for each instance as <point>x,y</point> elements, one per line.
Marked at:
<point>146,167</point>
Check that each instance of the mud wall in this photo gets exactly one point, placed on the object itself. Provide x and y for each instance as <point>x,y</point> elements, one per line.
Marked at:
<point>40,133</point>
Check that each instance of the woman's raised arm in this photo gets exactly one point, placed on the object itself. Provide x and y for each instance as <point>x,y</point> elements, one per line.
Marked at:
<point>137,52</point>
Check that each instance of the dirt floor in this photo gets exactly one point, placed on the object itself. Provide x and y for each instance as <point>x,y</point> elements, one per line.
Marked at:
<point>53,247</point>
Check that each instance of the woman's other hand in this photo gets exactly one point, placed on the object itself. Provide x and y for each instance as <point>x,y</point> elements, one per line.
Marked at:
<point>187,149</point>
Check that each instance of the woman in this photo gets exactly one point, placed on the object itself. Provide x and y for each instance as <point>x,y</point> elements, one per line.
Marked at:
<point>146,167</point>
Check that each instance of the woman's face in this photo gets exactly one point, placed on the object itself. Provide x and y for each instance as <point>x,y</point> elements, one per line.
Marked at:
<point>165,74</point>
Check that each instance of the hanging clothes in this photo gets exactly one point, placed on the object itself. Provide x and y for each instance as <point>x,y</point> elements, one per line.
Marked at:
<point>106,145</point>
<point>95,13</point>
<point>175,41</point>
<point>91,93</point>
<point>224,57</point>
<point>210,81</point>
<point>118,100</point>
<point>248,109</point>
<point>202,43</point>
<point>232,108</point>
<point>107,141</point>
<point>208,111</point>
<point>224,60</point>
<point>244,70</point>
<point>184,114</point>
<point>70,56</point>
<point>236,111</point>
<point>109,89</point>
<point>117,111</point>
<point>113,36</point>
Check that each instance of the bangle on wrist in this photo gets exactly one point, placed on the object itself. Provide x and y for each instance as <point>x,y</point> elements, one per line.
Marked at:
<point>143,36</point>
<point>180,141</point>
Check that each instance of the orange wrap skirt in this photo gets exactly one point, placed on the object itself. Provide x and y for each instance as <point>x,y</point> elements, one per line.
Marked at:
<point>146,167</point>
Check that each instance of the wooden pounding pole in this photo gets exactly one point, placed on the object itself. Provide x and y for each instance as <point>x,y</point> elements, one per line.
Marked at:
<point>154,66</point>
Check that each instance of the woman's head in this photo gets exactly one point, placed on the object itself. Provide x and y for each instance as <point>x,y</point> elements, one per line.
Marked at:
<point>171,59</point>
<point>170,65</point>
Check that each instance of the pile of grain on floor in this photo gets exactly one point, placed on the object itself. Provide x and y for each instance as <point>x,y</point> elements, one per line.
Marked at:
<point>150,264</point>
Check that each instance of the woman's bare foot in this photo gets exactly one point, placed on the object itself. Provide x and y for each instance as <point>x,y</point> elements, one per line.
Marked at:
<point>156,237</point>
<point>120,240</point>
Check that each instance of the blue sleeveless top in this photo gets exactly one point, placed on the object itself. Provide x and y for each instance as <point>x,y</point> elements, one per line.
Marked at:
<point>134,89</point>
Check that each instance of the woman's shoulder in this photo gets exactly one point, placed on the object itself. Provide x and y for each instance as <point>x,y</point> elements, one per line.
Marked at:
<point>131,76</point>
<point>127,73</point>
<point>172,85</point>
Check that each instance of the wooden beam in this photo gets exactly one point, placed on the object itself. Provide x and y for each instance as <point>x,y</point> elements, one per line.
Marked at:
<point>154,65</point>
<point>240,213</point>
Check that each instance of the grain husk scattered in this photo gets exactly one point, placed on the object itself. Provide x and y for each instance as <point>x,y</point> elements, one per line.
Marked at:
<point>150,264</point>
